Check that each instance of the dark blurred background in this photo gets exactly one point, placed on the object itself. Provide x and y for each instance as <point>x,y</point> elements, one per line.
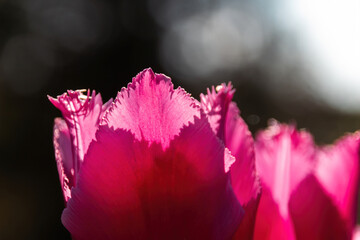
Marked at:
<point>289,60</point>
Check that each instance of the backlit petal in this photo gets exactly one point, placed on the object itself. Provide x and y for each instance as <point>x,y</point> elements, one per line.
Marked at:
<point>215,105</point>
<point>151,109</point>
<point>284,157</point>
<point>131,189</point>
<point>226,122</point>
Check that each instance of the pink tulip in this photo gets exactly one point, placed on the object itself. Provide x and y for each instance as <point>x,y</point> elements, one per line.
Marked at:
<point>308,192</point>
<point>150,166</point>
<point>224,118</point>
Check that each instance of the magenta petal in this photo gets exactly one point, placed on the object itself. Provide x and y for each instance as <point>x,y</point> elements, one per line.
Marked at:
<point>63,156</point>
<point>215,105</point>
<point>82,114</point>
<point>224,118</point>
<point>226,122</point>
<point>284,157</point>
<point>247,226</point>
<point>316,189</point>
<point>130,189</point>
<point>338,172</point>
<point>244,177</point>
<point>105,107</point>
<point>151,109</point>
<point>270,224</point>
<point>241,144</point>
<point>314,215</point>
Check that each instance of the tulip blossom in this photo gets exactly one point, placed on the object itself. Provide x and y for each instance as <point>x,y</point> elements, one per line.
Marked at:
<point>309,192</point>
<point>152,164</point>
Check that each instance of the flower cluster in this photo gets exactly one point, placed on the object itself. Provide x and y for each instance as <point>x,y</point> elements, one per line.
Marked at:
<point>156,163</point>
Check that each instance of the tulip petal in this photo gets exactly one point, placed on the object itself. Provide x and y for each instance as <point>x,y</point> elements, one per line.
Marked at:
<point>105,107</point>
<point>215,105</point>
<point>284,157</point>
<point>314,214</point>
<point>338,172</point>
<point>131,189</point>
<point>82,114</point>
<point>270,224</point>
<point>241,145</point>
<point>356,233</point>
<point>63,156</point>
<point>151,109</point>
<point>225,120</point>
<point>244,178</point>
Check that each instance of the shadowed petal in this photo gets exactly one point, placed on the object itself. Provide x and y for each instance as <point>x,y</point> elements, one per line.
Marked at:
<point>151,109</point>
<point>63,156</point>
<point>314,214</point>
<point>130,189</point>
<point>338,172</point>
<point>270,224</point>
